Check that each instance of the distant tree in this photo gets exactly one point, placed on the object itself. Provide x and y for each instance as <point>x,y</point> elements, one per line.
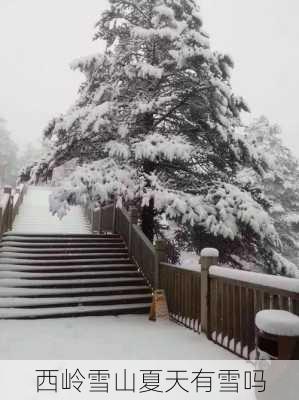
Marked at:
<point>155,125</point>
<point>35,163</point>
<point>8,157</point>
<point>30,153</point>
<point>280,184</point>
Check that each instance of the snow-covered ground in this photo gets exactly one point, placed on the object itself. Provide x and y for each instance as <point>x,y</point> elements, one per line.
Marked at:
<point>35,217</point>
<point>124,337</point>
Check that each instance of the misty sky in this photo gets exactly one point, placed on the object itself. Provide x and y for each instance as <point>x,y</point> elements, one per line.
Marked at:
<point>39,38</point>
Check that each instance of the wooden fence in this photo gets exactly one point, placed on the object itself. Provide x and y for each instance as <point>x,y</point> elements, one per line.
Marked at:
<point>10,202</point>
<point>234,299</point>
<point>218,301</point>
<point>183,292</point>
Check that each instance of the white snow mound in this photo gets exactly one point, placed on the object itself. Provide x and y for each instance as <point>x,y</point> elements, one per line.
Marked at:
<point>278,322</point>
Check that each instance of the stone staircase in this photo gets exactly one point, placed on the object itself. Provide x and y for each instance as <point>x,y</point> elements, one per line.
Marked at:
<point>68,275</point>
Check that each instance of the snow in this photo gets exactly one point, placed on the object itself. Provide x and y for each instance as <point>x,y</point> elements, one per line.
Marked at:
<point>11,292</point>
<point>28,275</point>
<point>209,252</point>
<point>63,311</point>
<point>273,281</point>
<point>156,145</point>
<point>36,301</point>
<point>29,267</point>
<point>116,149</point>
<point>190,260</point>
<point>35,217</point>
<point>62,261</point>
<point>96,338</point>
<point>148,70</point>
<point>6,282</point>
<point>278,322</point>
<point>292,219</point>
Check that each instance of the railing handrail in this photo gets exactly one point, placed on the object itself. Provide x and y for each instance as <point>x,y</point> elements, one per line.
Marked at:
<point>144,239</point>
<point>180,268</point>
<point>4,201</point>
<point>272,283</point>
<point>10,202</point>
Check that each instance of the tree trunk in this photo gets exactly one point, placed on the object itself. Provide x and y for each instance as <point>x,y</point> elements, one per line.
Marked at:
<point>148,221</point>
<point>148,212</point>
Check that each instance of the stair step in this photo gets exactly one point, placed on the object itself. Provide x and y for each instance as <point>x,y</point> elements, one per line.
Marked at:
<point>60,235</point>
<point>25,302</point>
<point>96,261</point>
<point>53,275</point>
<point>62,244</point>
<point>68,275</point>
<point>56,312</point>
<point>67,268</point>
<point>70,282</point>
<point>62,249</point>
<point>40,240</point>
<point>70,292</point>
<point>63,236</point>
<point>105,253</point>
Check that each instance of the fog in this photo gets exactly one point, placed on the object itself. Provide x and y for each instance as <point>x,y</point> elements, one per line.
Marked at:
<point>38,40</point>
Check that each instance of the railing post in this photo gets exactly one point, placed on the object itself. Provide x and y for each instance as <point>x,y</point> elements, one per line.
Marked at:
<point>91,219</point>
<point>208,257</point>
<point>161,256</point>
<point>8,190</point>
<point>1,221</point>
<point>133,213</point>
<point>100,220</point>
<point>114,216</point>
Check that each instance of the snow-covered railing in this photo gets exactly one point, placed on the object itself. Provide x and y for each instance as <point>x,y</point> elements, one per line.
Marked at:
<point>18,197</point>
<point>101,219</point>
<point>10,201</point>
<point>119,220</point>
<point>223,302</point>
<point>235,297</point>
<point>140,249</point>
<point>5,210</point>
<point>183,292</point>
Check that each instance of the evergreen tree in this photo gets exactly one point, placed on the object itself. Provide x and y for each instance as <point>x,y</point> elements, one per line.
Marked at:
<point>8,157</point>
<point>280,184</point>
<point>155,124</point>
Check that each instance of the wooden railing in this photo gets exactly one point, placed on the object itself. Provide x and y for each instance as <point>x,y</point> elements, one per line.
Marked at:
<point>101,219</point>
<point>125,222</point>
<point>144,254</point>
<point>10,201</point>
<point>217,301</point>
<point>183,292</point>
<point>234,299</point>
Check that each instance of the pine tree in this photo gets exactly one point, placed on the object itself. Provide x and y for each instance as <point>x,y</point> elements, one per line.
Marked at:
<point>280,184</point>
<point>8,157</point>
<point>155,124</point>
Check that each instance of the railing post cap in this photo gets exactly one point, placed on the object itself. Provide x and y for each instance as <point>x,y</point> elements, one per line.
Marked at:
<point>209,252</point>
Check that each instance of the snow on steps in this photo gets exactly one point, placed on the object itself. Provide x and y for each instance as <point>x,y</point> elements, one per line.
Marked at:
<point>68,268</point>
<point>63,275</point>
<point>59,275</point>
<point>34,215</point>
<point>24,302</point>
<point>79,311</point>
<point>68,283</point>
<point>44,292</point>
